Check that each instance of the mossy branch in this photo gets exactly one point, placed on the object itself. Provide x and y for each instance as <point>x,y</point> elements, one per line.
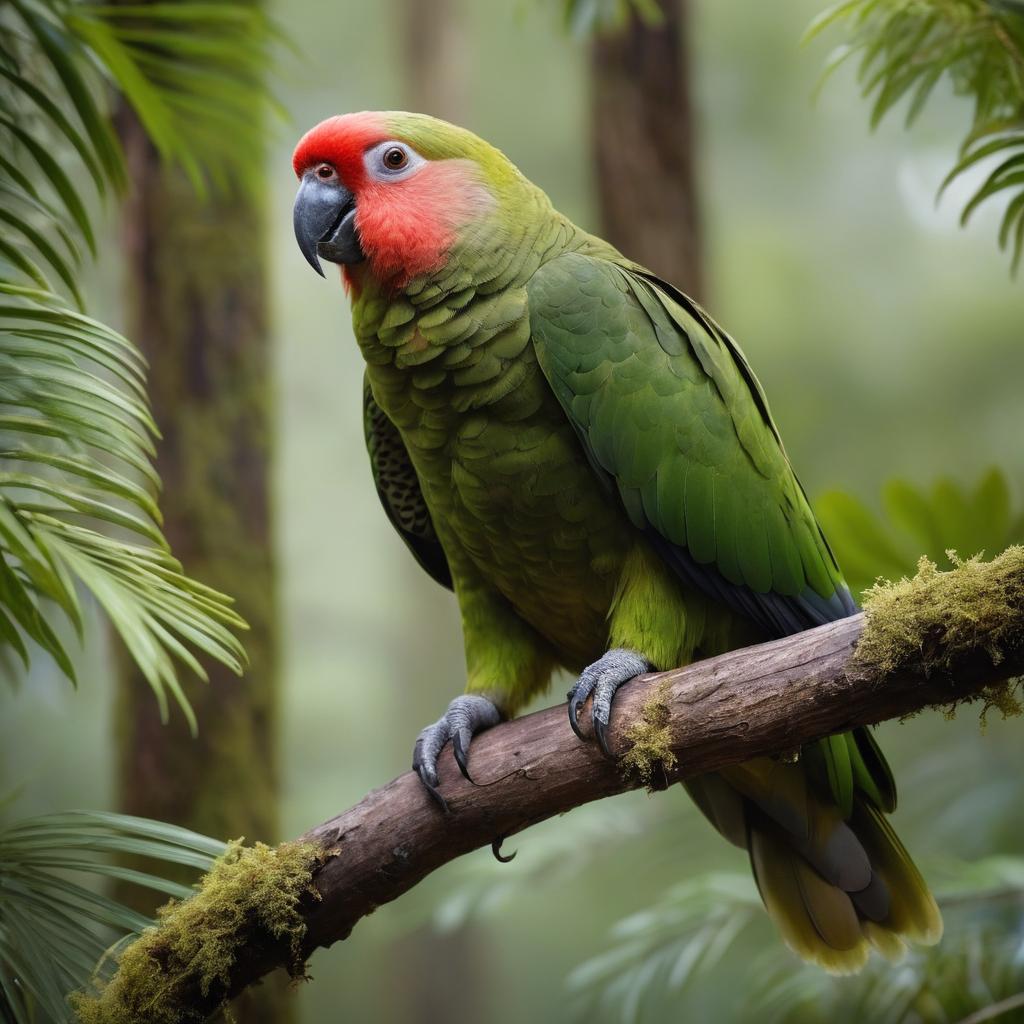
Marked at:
<point>938,640</point>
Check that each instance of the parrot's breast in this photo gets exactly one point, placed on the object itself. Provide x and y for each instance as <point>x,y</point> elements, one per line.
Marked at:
<point>524,504</point>
<point>510,491</point>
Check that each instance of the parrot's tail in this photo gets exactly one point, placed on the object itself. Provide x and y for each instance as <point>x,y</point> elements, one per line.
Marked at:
<point>834,887</point>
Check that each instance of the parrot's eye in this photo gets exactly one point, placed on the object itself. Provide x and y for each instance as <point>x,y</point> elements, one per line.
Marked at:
<point>392,161</point>
<point>325,172</point>
<point>395,158</point>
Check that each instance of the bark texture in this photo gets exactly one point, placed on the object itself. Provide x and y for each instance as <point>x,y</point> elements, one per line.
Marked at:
<point>643,135</point>
<point>196,297</point>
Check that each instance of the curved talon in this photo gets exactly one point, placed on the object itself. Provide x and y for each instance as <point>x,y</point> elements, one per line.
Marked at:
<point>601,732</point>
<point>460,748</point>
<point>466,716</point>
<point>602,679</point>
<point>573,710</point>
<point>433,790</point>
<point>498,855</point>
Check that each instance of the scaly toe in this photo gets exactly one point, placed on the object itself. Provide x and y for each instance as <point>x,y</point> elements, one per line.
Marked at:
<point>466,716</point>
<point>602,679</point>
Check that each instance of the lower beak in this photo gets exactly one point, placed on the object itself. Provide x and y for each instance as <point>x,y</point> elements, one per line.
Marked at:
<point>325,222</point>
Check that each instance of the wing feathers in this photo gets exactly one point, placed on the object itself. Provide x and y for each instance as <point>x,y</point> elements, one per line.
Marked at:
<point>665,404</point>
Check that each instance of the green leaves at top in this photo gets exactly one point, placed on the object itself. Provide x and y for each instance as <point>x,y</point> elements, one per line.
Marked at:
<point>918,521</point>
<point>906,47</point>
<point>585,17</point>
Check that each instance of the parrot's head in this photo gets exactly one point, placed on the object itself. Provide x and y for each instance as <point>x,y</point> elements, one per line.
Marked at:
<point>398,192</point>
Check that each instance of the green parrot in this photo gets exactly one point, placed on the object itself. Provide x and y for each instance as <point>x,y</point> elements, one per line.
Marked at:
<point>587,459</point>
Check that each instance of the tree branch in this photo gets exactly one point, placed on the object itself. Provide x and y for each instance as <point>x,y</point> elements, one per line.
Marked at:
<point>759,701</point>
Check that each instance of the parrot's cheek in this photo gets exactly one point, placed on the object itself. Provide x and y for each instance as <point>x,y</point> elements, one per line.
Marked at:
<point>342,245</point>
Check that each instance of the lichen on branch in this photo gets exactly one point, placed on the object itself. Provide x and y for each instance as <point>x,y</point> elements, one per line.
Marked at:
<point>251,894</point>
<point>929,622</point>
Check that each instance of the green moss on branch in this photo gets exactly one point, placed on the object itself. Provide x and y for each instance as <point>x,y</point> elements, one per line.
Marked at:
<point>650,753</point>
<point>251,894</point>
<point>936,619</point>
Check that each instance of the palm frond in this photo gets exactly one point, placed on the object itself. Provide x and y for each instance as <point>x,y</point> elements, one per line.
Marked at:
<point>654,955</point>
<point>906,47</point>
<point>190,70</point>
<point>77,485</point>
<point>55,928</point>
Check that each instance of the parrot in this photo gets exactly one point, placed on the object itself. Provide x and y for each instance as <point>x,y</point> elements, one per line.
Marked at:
<point>585,457</point>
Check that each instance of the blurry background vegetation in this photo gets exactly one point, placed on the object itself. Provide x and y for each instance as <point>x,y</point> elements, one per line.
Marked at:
<point>888,340</point>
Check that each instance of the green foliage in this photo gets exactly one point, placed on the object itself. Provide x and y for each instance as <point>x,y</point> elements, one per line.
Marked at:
<point>77,487</point>
<point>585,17</point>
<point>657,951</point>
<point>918,521</point>
<point>53,928</point>
<point>654,954</point>
<point>906,47</point>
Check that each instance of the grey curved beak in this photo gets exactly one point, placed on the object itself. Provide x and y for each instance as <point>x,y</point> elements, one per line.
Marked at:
<point>324,217</point>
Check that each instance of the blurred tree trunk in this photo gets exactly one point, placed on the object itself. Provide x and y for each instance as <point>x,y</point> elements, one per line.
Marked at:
<point>642,128</point>
<point>434,51</point>
<point>196,290</point>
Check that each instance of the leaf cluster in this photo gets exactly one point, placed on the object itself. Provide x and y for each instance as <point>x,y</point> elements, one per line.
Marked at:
<point>904,48</point>
<point>713,919</point>
<point>55,928</point>
<point>916,521</point>
<point>78,489</point>
<point>77,484</point>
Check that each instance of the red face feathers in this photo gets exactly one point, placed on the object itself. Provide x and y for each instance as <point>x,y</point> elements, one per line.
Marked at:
<point>409,208</point>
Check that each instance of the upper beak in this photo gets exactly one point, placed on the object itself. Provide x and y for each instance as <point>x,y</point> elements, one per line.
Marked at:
<point>325,222</point>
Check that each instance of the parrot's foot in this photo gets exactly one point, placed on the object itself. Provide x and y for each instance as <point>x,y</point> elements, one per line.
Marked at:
<point>465,717</point>
<point>602,679</point>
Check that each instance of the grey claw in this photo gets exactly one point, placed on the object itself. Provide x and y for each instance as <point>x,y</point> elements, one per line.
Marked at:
<point>432,789</point>
<point>460,747</point>
<point>602,679</point>
<point>578,695</point>
<point>465,716</point>
<point>573,709</point>
<point>423,761</point>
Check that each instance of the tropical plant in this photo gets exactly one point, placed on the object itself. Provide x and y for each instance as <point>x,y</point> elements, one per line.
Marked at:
<point>78,490</point>
<point>654,954</point>
<point>54,930</point>
<point>906,47</point>
<point>918,521</point>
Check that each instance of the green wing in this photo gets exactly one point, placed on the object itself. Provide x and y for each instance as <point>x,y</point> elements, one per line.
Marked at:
<point>398,488</point>
<point>673,419</point>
